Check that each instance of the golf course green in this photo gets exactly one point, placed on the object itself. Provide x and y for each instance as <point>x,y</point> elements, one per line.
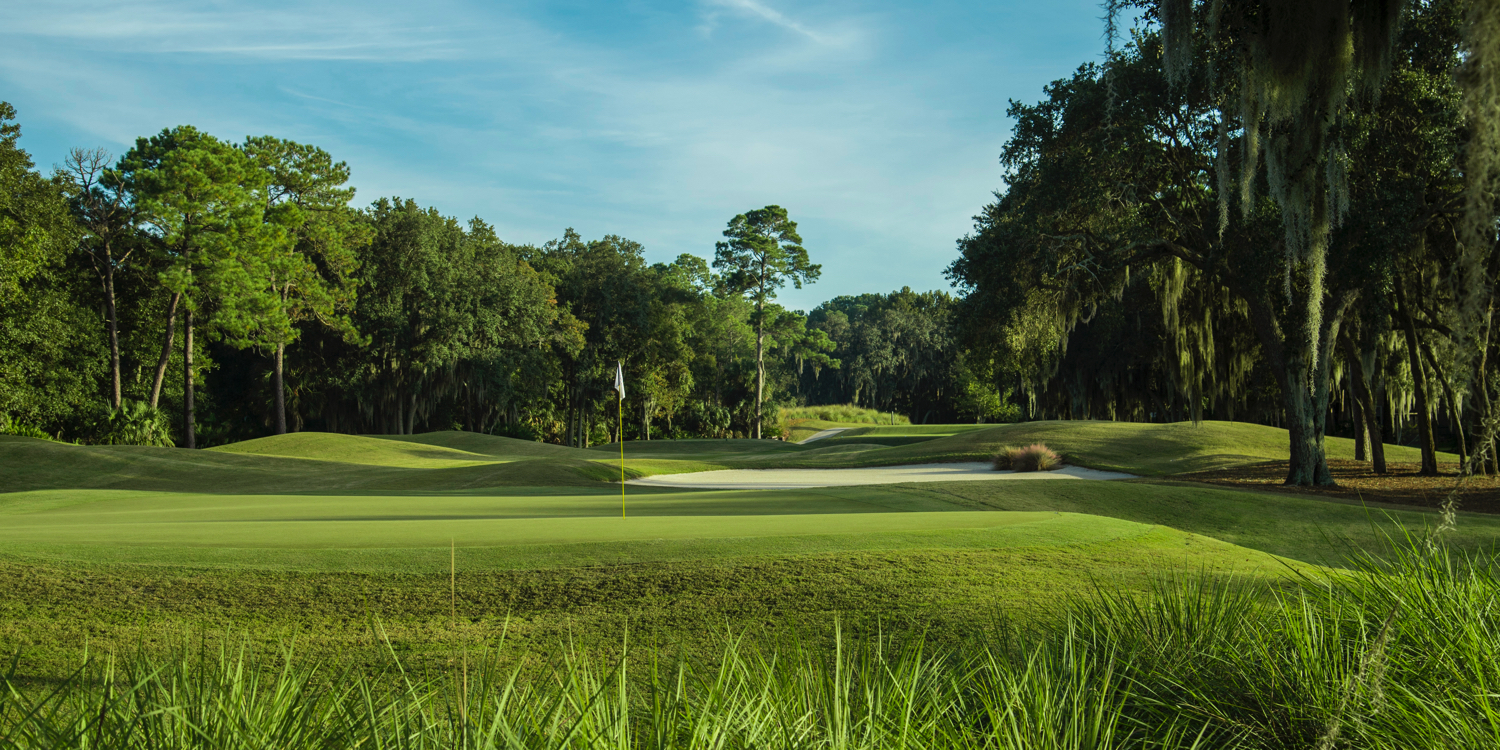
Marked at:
<point>454,537</point>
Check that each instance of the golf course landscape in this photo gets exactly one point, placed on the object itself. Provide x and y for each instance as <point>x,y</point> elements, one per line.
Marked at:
<point>416,551</point>
<point>750,375</point>
<point>324,535</point>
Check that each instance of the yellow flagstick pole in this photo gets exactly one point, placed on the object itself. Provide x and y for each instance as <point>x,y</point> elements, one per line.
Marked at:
<point>620,427</point>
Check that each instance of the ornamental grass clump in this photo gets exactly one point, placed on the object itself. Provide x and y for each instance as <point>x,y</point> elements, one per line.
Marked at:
<point>1034,457</point>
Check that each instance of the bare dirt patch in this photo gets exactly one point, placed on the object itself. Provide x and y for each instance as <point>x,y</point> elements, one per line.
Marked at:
<point>1358,482</point>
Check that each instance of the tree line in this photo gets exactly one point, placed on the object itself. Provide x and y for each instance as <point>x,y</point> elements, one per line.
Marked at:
<point>195,291</point>
<point>1258,211</point>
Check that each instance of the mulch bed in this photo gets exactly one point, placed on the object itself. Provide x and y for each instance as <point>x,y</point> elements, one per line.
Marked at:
<point>1358,482</point>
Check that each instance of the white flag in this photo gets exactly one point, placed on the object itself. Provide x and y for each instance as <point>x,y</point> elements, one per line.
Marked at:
<point>620,379</point>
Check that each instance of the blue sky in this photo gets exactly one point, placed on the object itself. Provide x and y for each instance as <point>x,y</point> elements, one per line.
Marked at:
<point>876,124</point>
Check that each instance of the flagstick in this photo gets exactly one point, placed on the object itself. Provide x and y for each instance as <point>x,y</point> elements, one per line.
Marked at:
<point>620,422</point>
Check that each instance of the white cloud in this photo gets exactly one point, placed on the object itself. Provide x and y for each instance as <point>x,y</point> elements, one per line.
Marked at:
<point>774,16</point>
<point>536,122</point>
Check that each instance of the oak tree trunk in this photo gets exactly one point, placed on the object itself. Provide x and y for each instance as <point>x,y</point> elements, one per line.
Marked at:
<point>1419,383</point>
<point>1367,406</point>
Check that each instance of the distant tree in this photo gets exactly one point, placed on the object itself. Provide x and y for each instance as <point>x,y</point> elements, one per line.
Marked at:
<point>201,199</point>
<point>49,356</point>
<point>762,253</point>
<point>30,229</point>
<point>443,304</point>
<point>307,269</point>
<point>606,285</point>
<point>106,212</point>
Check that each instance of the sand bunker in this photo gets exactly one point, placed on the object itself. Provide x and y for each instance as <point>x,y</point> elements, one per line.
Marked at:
<point>767,479</point>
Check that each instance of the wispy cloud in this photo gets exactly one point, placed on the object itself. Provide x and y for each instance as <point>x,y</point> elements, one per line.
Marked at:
<point>307,33</point>
<point>880,138</point>
<point>767,13</point>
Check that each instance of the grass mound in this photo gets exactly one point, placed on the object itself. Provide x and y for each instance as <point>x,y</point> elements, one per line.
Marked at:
<point>1130,447</point>
<point>430,450</point>
<point>328,464</point>
<point>488,445</point>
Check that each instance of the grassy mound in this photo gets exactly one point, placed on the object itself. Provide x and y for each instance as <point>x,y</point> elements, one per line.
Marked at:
<point>433,450</point>
<point>324,462</point>
<point>488,445</point>
<point>1130,447</point>
<point>37,464</point>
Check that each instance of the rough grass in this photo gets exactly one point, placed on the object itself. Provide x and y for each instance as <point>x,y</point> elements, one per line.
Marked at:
<point>1402,656</point>
<point>842,414</point>
<point>1034,457</point>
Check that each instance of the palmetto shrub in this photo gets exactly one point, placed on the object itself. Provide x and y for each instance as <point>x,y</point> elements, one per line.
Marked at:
<point>9,426</point>
<point>134,423</point>
<point>1034,457</point>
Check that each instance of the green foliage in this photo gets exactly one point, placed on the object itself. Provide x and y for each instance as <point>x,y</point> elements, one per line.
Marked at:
<point>50,356</point>
<point>843,414</point>
<point>306,260</point>
<point>35,229</point>
<point>134,423</point>
<point>9,426</point>
<point>762,253</point>
<point>896,352</point>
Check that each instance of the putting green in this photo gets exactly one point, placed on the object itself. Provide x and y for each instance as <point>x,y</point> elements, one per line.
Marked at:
<point>540,529</point>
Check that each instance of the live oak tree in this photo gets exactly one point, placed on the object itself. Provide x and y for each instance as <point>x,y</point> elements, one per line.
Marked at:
<point>761,254</point>
<point>1122,190</point>
<point>442,305</point>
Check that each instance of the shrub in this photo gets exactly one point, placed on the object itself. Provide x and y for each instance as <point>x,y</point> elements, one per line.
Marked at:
<point>134,423</point>
<point>9,426</point>
<point>1034,457</point>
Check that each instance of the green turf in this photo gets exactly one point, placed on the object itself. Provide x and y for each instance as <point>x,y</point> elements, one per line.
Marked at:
<point>323,535</point>
<point>321,462</point>
<point>1131,447</point>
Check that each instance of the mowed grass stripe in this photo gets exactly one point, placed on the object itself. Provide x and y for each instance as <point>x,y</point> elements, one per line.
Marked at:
<point>525,503</point>
<point>431,532</point>
<point>1107,538</point>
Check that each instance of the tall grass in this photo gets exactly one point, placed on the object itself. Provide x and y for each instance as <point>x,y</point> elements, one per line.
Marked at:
<point>1402,655</point>
<point>1034,457</point>
<point>845,413</point>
